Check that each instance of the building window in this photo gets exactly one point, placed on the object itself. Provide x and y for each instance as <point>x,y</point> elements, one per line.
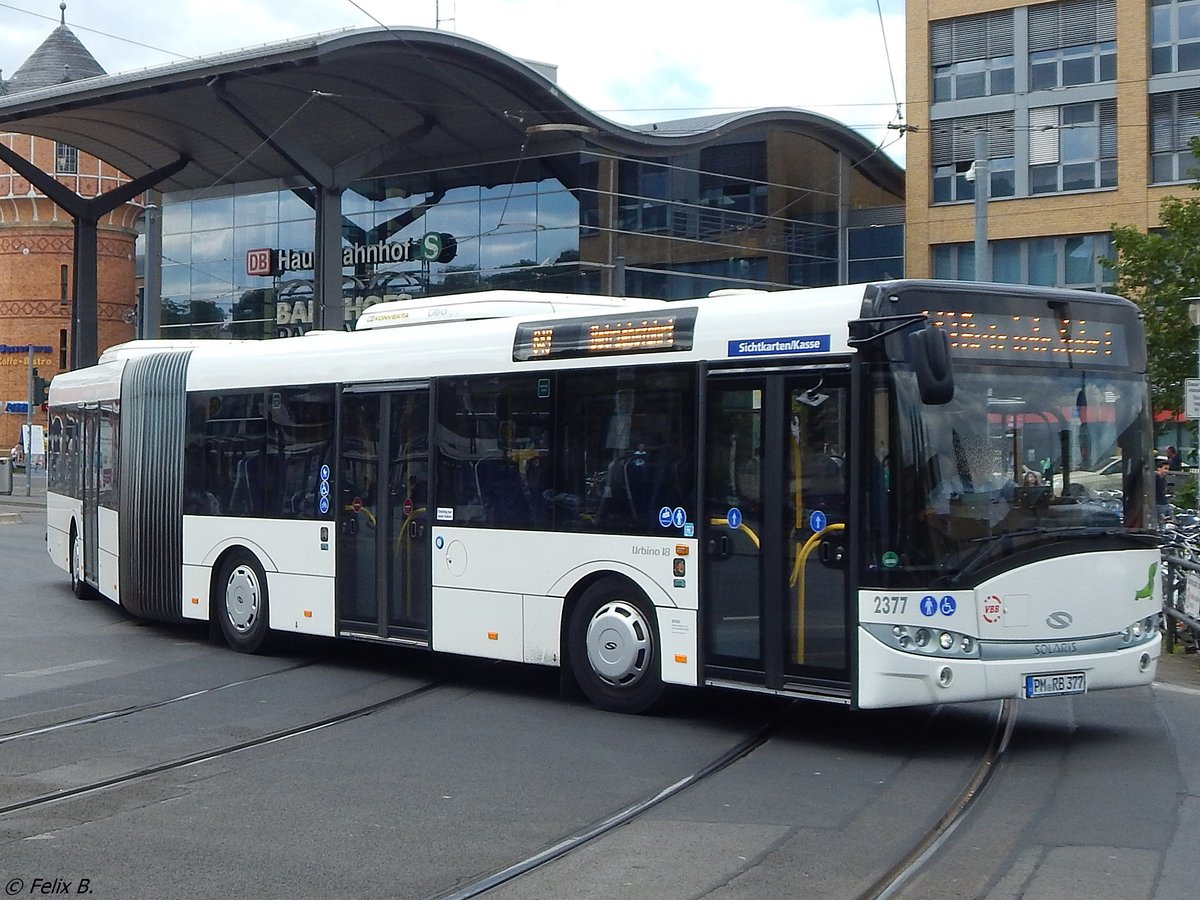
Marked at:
<point>1072,261</point>
<point>876,253</point>
<point>1174,121</point>
<point>952,148</point>
<point>1070,66</point>
<point>66,160</point>
<point>733,187</point>
<point>645,189</point>
<point>1072,43</point>
<point>1174,36</point>
<point>972,56</point>
<point>1073,147</point>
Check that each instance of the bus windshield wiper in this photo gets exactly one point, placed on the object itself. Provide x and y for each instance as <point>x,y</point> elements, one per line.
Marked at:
<point>976,560</point>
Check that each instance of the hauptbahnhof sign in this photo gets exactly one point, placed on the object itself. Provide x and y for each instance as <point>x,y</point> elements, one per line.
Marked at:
<point>433,246</point>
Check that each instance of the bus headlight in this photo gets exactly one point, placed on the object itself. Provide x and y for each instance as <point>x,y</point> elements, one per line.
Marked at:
<point>923,641</point>
<point>1142,630</point>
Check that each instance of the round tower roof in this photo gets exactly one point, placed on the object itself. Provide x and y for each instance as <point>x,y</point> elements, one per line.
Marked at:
<point>60,58</point>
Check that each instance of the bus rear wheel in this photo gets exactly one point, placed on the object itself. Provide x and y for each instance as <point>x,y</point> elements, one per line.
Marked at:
<point>79,587</point>
<point>613,646</point>
<point>242,602</point>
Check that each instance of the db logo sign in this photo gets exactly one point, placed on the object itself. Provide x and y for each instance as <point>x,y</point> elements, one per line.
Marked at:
<point>260,262</point>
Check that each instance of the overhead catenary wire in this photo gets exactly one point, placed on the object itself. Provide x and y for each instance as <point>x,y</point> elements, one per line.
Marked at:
<point>899,117</point>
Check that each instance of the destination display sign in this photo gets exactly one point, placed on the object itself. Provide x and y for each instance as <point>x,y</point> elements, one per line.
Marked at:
<point>605,335</point>
<point>1034,338</point>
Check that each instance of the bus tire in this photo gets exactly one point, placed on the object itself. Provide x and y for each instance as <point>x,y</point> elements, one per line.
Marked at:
<point>614,649</point>
<point>241,594</point>
<point>79,587</point>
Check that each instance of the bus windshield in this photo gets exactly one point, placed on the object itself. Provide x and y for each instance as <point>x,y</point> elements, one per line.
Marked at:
<point>1021,458</point>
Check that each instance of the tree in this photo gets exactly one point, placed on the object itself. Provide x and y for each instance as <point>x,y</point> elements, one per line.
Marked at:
<point>1157,270</point>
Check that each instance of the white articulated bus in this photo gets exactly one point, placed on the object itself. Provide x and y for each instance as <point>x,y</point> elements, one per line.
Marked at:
<point>868,495</point>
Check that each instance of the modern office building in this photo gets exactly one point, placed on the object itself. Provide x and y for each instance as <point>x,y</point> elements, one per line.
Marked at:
<point>1086,108</point>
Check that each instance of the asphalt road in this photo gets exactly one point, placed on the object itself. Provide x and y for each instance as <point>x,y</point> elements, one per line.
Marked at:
<point>454,769</point>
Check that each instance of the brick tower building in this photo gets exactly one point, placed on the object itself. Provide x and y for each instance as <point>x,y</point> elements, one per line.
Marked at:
<point>37,242</point>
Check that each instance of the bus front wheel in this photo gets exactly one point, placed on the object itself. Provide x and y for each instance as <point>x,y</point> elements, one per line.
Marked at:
<point>242,602</point>
<point>613,646</point>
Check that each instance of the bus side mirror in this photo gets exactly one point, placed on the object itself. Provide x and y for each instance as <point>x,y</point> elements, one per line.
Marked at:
<point>931,362</point>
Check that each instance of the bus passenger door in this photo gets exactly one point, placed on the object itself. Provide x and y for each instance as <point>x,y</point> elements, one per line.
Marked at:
<point>383,576</point>
<point>91,495</point>
<point>775,593</point>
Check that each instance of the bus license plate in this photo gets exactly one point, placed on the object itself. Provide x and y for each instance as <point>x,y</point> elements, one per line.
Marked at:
<point>1055,685</point>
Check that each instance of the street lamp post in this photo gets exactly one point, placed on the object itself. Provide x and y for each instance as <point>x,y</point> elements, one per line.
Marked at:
<point>979,174</point>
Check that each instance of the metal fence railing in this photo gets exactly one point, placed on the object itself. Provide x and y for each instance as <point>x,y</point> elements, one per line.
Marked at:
<point>1181,595</point>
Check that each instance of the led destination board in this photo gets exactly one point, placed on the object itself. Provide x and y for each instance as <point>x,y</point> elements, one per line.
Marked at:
<point>605,335</point>
<point>1041,338</point>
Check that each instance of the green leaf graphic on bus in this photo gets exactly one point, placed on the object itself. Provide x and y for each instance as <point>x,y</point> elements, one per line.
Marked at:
<point>1148,591</point>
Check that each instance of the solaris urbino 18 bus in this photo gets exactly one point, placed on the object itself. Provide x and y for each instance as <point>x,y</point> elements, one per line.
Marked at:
<point>871,495</point>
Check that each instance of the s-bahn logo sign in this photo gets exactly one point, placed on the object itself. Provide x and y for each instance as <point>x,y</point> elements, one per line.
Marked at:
<point>433,246</point>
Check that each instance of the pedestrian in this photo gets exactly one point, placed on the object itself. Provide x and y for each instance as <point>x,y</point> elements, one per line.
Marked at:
<point>1162,500</point>
<point>1174,460</point>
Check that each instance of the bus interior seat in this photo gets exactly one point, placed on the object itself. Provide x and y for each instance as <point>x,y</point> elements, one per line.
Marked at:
<point>640,479</point>
<point>242,498</point>
<point>505,502</point>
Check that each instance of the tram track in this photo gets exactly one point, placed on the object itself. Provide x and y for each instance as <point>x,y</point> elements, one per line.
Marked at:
<point>886,886</point>
<point>124,711</point>
<point>216,753</point>
<point>574,841</point>
<point>890,884</point>
<point>894,879</point>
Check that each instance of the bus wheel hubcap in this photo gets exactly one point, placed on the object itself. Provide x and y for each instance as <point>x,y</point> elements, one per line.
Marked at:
<point>241,599</point>
<point>77,559</point>
<point>618,643</point>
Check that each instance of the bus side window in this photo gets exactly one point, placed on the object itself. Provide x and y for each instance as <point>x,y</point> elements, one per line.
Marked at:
<point>619,448</point>
<point>299,440</point>
<point>493,439</point>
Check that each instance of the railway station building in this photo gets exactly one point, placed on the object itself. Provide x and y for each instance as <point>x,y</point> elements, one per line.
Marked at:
<point>297,184</point>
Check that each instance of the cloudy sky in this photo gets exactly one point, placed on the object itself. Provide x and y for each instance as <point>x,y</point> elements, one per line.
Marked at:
<point>641,61</point>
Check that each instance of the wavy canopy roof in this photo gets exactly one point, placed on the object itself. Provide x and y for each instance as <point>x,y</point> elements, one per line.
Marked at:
<point>335,108</point>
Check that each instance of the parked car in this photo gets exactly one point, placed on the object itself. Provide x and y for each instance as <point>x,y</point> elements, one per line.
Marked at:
<point>1103,483</point>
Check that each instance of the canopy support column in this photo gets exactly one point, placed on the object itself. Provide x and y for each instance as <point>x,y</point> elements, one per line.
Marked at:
<point>87,213</point>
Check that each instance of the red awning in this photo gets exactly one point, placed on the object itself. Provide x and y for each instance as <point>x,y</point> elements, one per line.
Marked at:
<point>1167,415</point>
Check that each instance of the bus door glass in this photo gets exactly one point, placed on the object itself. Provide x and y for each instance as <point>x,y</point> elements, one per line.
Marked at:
<point>383,533</point>
<point>775,603</point>
<point>91,495</point>
<point>816,502</point>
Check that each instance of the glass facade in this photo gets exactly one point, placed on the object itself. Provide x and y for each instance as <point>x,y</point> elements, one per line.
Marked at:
<point>1072,261</point>
<point>728,215</point>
